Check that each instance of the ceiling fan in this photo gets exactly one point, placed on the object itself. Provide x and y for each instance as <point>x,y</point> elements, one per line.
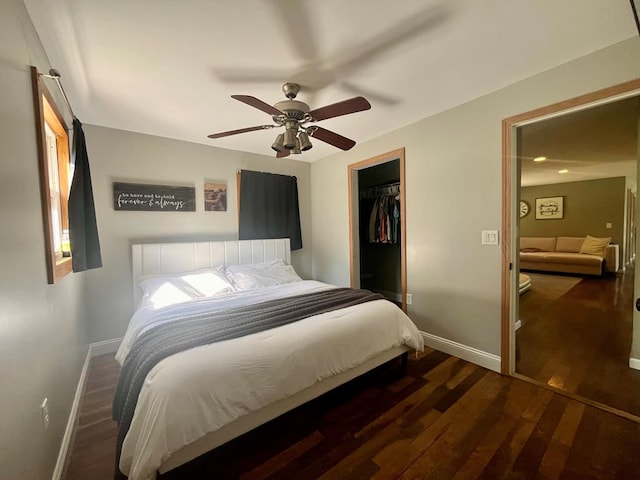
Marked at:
<point>294,116</point>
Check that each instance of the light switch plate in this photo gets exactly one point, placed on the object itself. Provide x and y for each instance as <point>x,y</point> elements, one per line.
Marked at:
<point>490,237</point>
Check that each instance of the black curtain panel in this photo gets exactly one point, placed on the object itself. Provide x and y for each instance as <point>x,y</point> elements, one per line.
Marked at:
<point>269,207</point>
<point>83,229</point>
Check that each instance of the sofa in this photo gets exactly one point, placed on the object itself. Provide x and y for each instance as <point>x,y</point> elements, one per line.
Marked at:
<point>581,255</point>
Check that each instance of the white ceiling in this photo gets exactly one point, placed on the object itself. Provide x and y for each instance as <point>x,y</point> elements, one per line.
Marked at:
<point>168,68</point>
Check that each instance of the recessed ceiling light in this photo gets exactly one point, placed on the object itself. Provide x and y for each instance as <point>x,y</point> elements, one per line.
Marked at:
<point>564,170</point>
<point>539,159</point>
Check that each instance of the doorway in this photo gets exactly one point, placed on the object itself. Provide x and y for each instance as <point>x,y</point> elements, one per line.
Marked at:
<point>584,291</point>
<point>377,225</point>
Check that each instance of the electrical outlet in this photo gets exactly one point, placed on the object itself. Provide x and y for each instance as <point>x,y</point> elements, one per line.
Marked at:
<point>409,299</point>
<point>45,414</point>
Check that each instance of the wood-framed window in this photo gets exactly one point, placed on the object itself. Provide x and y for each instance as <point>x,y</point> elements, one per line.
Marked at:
<point>55,173</point>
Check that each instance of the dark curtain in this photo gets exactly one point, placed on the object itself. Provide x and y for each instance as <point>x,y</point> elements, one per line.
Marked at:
<point>83,229</point>
<point>269,207</point>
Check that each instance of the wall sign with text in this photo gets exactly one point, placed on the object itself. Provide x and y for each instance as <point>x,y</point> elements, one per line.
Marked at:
<point>153,198</point>
<point>549,208</point>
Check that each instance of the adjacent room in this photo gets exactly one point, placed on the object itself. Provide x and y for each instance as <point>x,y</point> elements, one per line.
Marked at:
<point>578,187</point>
<point>285,239</point>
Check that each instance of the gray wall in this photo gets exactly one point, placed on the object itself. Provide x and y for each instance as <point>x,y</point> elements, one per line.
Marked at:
<point>118,155</point>
<point>588,206</point>
<point>453,191</point>
<point>42,332</point>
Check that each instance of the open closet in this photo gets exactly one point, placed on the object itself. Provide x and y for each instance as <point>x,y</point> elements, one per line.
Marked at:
<point>377,235</point>
<point>380,230</point>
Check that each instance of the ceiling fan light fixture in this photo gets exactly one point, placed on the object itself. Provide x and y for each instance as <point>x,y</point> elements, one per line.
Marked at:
<point>278,144</point>
<point>294,116</point>
<point>296,149</point>
<point>305,143</point>
<point>289,139</point>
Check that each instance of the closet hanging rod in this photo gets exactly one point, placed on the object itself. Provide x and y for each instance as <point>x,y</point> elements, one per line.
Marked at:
<point>55,74</point>
<point>381,190</point>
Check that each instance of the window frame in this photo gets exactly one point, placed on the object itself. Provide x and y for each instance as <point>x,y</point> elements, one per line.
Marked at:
<point>46,111</point>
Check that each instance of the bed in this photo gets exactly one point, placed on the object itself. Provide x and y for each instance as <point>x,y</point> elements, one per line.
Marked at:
<point>196,400</point>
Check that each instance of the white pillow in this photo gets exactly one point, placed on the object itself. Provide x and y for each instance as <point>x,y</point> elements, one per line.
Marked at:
<point>166,290</point>
<point>252,267</point>
<point>258,275</point>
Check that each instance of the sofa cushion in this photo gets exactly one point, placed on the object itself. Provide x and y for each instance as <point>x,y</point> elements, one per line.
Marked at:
<point>569,244</point>
<point>532,256</point>
<point>572,258</point>
<point>594,246</point>
<point>566,258</point>
<point>546,244</point>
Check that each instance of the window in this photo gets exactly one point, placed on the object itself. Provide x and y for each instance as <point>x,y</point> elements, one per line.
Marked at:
<point>55,172</point>
<point>268,207</point>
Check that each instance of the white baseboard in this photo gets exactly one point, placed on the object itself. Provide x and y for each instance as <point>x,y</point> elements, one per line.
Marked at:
<point>98,348</point>
<point>470,354</point>
<point>106,346</point>
<point>71,421</point>
<point>634,363</point>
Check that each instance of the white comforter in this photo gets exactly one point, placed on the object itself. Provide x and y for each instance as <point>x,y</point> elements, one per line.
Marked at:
<point>198,391</point>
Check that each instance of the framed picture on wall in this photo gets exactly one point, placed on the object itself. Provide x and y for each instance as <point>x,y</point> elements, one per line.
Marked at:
<point>215,196</point>
<point>549,208</point>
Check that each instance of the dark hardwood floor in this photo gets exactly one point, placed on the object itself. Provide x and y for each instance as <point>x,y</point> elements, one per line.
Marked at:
<point>580,342</point>
<point>445,419</point>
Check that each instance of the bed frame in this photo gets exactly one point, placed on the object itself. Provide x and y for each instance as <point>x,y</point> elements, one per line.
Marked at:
<point>160,258</point>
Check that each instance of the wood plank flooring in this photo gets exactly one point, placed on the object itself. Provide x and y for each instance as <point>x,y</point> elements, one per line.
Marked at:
<point>580,341</point>
<point>444,419</point>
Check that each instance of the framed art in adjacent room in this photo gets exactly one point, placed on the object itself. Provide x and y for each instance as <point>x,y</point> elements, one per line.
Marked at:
<point>549,208</point>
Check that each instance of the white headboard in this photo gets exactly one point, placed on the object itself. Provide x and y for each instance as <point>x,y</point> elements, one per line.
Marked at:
<point>159,258</point>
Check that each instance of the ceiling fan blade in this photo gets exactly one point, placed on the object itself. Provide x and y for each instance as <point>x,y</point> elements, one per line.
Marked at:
<point>415,26</point>
<point>284,153</point>
<point>355,104</point>
<point>250,75</point>
<point>297,23</point>
<point>333,138</point>
<point>375,96</point>
<point>241,130</point>
<point>257,103</point>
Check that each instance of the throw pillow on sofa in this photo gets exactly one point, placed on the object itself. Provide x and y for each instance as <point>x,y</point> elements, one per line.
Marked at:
<point>594,245</point>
